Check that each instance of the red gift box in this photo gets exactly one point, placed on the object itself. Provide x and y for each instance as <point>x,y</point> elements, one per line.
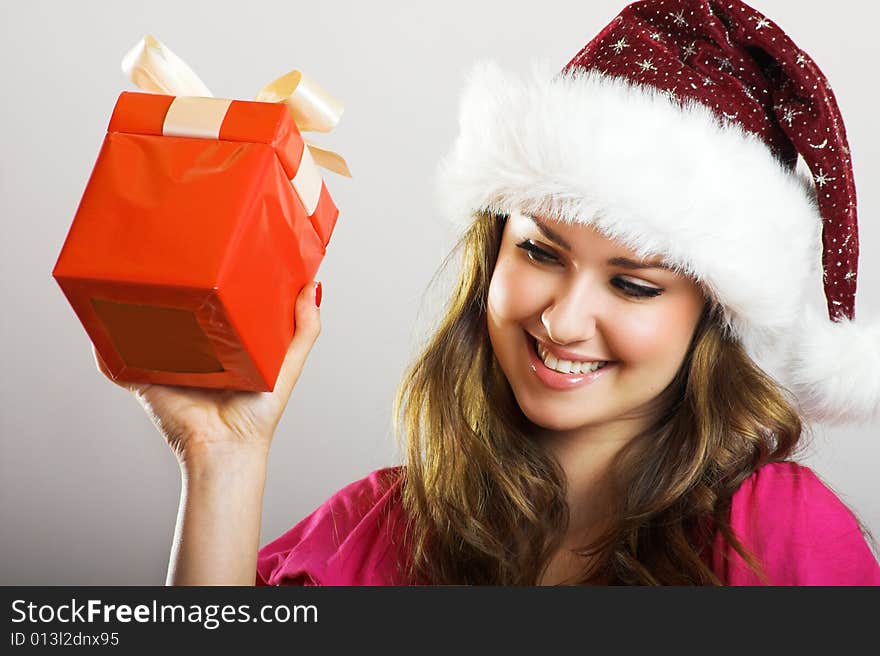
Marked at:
<point>186,253</point>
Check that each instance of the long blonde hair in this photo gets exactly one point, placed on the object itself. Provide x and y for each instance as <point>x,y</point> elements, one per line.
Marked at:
<point>485,503</point>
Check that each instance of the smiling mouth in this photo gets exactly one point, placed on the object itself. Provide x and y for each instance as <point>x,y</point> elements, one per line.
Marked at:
<point>591,367</point>
<point>558,380</point>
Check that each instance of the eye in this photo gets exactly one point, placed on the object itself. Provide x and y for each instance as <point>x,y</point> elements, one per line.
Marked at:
<point>628,287</point>
<point>536,254</point>
<point>632,289</point>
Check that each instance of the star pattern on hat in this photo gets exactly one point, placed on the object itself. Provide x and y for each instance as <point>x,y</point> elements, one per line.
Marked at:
<point>725,64</point>
<point>619,45</point>
<point>789,114</point>
<point>678,18</point>
<point>822,178</point>
<point>671,94</point>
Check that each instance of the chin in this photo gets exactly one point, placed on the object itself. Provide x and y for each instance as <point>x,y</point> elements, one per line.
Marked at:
<point>548,418</point>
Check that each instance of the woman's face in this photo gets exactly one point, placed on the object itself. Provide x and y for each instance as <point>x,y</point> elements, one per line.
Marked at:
<point>595,301</point>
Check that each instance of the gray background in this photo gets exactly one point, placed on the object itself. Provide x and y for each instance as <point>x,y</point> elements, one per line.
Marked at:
<point>88,489</point>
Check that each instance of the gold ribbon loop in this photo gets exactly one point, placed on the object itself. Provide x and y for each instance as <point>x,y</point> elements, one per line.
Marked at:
<point>154,68</point>
<point>313,109</point>
<point>151,66</point>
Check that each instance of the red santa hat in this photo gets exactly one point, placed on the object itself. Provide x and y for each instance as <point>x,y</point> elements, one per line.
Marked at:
<point>678,131</point>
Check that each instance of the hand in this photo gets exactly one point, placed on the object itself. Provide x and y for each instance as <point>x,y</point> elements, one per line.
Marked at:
<point>198,420</point>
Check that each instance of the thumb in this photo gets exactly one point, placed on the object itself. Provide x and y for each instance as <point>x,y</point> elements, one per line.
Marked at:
<point>307,327</point>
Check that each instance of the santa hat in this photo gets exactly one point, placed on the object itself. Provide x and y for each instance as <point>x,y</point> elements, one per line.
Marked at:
<point>677,131</point>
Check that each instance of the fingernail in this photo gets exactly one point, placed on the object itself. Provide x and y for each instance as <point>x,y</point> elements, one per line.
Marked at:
<point>318,295</point>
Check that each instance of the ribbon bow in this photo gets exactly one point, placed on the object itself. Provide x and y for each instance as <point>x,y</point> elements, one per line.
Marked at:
<point>151,66</point>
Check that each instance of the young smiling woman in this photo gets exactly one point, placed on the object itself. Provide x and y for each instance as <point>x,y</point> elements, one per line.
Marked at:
<point>594,406</point>
<point>634,476</point>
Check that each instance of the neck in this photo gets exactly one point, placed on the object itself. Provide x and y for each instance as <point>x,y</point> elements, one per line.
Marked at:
<point>585,457</point>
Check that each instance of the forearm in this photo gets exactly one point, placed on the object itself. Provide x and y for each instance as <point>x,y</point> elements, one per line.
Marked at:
<point>217,535</point>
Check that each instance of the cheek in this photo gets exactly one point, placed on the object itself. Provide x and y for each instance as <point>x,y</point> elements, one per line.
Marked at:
<point>512,295</point>
<point>661,335</point>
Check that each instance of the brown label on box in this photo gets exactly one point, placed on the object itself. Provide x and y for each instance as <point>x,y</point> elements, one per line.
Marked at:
<point>157,338</point>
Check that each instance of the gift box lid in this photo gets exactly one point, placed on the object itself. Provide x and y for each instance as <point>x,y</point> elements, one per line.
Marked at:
<point>227,120</point>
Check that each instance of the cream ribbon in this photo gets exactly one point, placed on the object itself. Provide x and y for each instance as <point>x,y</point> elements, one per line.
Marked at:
<point>192,116</point>
<point>194,112</point>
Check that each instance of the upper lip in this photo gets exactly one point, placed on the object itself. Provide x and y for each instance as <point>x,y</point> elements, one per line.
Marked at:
<point>562,354</point>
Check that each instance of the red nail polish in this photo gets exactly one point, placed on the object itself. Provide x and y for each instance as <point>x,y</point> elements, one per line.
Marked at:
<point>318,295</point>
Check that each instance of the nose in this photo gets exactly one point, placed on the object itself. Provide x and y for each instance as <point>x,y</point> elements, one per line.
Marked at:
<point>571,316</point>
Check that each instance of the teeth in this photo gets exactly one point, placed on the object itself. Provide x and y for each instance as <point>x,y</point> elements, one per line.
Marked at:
<point>566,366</point>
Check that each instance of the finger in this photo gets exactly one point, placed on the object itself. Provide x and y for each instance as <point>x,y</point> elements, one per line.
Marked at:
<point>307,327</point>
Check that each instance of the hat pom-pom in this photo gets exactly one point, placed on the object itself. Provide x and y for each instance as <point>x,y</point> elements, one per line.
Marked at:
<point>834,369</point>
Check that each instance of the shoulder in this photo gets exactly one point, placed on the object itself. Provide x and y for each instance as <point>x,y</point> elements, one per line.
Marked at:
<point>352,502</point>
<point>782,494</point>
<point>800,530</point>
<point>789,481</point>
<point>347,540</point>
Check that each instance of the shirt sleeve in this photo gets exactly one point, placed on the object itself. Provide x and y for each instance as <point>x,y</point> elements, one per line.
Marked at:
<point>800,531</point>
<point>335,532</point>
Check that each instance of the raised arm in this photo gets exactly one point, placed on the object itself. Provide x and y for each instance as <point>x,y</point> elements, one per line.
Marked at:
<point>218,522</point>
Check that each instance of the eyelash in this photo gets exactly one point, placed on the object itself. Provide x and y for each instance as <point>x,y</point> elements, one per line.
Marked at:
<point>629,288</point>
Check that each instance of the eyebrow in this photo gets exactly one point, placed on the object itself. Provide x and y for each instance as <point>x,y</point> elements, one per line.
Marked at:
<point>624,262</point>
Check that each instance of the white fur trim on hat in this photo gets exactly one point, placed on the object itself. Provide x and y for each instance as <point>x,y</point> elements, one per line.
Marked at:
<point>661,178</point>
<point>834,369</point>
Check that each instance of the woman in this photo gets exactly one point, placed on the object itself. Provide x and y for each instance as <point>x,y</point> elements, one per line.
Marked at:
<point>638,218</point>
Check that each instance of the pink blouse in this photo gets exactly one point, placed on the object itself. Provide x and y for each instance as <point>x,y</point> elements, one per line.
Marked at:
<point>796,526</point>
